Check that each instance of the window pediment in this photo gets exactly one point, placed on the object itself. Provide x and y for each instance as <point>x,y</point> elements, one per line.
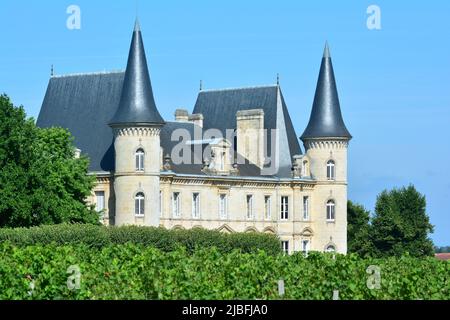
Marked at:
<point>307,232</point>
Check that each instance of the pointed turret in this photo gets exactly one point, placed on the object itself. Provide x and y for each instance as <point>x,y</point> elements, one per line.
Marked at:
<point>326,118</point>
<point>137,104</point>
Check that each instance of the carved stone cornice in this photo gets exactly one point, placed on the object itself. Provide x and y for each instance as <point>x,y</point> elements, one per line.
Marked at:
<point>230,182</point>
<point>137,131</point>
<point>326,143</point>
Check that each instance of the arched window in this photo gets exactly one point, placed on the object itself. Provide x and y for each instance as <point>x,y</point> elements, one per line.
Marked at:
<point>331,208</point>
<point>331,170</point>
<point>140,155</point>
<point>330,248</point>
<point>139,204</point>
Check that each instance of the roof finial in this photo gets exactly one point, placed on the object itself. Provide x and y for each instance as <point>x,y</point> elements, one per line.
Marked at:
<point>201,85</point>
<point>137,9</point>
<point>137,26</point>
<point>326,51</point>
<point>278,79</point>
<point>52,73</point>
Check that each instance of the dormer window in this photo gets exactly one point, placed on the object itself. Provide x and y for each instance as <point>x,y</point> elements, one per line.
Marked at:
<point>331,170</point>
<point>140,156</point>
<point>305,169</point>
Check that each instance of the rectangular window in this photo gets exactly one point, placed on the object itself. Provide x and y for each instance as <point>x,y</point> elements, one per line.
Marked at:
<point>222,162</point>
<point>267,208</point>
<point>306,208</point>
<point>196,205</point>
<point>99,201</point>
<point>284,208</point>
<point>176,205</point>
<point>249,206</point>
<point>139,205</point>
<point>331,207</point>
<point>160,203</point>
<point>223,206</point>
<point>305,245</point>
<point>285,246</point>
<point>140,155</point>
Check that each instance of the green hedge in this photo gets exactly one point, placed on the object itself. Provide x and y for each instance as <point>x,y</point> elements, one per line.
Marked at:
<point>163,239</point>
<point>139,272</point>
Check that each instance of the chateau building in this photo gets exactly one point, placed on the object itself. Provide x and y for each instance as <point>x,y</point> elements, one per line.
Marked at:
<point>234,164</point>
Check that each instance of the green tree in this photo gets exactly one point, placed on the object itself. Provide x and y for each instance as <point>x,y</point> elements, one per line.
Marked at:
<point>358,239</point>
<point>401,224</point>
<point>41,181</point>
<point>442,249</point>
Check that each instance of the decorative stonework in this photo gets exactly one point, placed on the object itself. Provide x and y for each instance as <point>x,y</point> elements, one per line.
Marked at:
<point>326,144</point>
<point>224,182</point>
<point>138,131</point>
<point>103,180</point>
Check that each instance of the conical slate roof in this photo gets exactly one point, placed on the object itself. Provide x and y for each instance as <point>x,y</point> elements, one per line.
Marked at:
<point>326,117</point>
<point>137,104</point>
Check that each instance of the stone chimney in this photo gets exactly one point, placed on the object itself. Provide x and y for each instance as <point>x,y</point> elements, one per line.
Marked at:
<point>196,119</point>
<point>181,115</point>
<point>250,135</point>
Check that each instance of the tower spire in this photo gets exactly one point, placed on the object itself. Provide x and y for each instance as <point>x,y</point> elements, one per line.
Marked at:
<point>278,79</point>
<point>326,118</point>
<point>326,51</point>
<point>137,25</point>
<point>137,104</point>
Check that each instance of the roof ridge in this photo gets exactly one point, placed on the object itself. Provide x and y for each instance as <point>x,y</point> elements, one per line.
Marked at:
<point>240,88</point>
<point>87,74</point>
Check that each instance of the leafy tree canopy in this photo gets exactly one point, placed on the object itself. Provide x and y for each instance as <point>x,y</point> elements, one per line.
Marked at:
<point>41,181</point>
<point>358,240</point>
<point>400,225</point>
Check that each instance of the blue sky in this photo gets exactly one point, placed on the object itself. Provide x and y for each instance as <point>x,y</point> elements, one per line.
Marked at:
<point>393,83</point>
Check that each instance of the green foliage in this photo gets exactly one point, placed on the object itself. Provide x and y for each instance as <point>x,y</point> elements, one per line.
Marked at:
<point>139,272</point>
<point>41,182</point>
<point>358,240</point>
<point>401,224</point>
<point>442,249</point>
<point>166,240</point>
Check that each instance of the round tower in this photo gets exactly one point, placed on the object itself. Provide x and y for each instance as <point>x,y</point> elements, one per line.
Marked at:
<point>136,125</point>
<point>326,140</point>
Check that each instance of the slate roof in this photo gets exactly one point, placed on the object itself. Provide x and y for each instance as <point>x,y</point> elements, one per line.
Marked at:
<point>326,118</point>
<point>84,103</point>
<point>196,159</point>
<point>137,104</point>
<point>219,108</point>
<point>88,104</point>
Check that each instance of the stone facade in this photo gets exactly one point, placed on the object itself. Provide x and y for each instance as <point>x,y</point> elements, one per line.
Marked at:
<point>307,194</point>
<point>256,180</point>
